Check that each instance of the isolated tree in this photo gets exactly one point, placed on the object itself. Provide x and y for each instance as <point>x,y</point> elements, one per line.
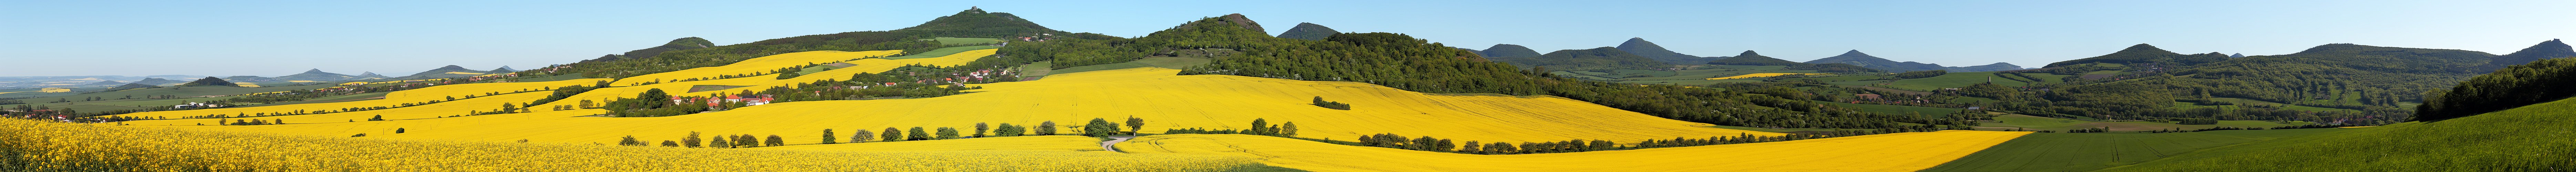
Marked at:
<point>980,128</point>
<point>668,143</point>
<point>1288,129</point>
<point>916,133</point>
<point>827,136</point>
<point>1093,128</point>
<point>1135,124</point>
<point>862,136</point>
<point>774,140</point>
<point>1259,127</point>
<point>629,141</point>
<point>947,133</point>
<point>719,142</point>
<point>891,134</point>
<point>690,141</point>
<point>1444,145</point>
<point>398,130</point>
<point>1045,128</point>
<point>1007,130</point>
<point>746,140</point>
<point>377,118</point>
<point>1471,147</point>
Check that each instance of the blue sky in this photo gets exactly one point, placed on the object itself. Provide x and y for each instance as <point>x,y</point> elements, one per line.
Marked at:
<point>271,38</point>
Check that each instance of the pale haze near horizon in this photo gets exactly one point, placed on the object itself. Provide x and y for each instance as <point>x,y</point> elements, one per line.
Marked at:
<point>272,38</point>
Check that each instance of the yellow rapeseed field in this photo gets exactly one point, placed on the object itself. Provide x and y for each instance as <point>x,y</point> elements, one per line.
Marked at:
<point>1164,100</point>
<point>1059,143</point>
<point>1884,152</point>
<point>397,98</point>
<point>46,146</point>
<point>761,65</point>
<point>54,90</point>
<point>1758,75</point>
<point>442,109</point>
<point>763,82</point>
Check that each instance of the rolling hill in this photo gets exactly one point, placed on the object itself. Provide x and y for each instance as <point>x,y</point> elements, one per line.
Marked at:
<point>2147,54</point>
<point>1641,48</point>
<point>449,71</point>
<point>674,45</point>
<point>1751,59</point>
<point>2462,144</point>
<point>1604,58</point>
<point>1998,66</point>
<point>1854,57</point>
<point>1507,51</point>
<point>1308,31</point>
<point>315,75</point>
<point>1182,101</point>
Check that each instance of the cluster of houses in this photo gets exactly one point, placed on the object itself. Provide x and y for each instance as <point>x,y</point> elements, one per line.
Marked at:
<point>193,105</point>
<point>754,101</point>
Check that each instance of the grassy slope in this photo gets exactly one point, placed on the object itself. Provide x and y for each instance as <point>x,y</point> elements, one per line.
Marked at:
<point>1951,80</point>
<point>2530,138</point>
<point>1193,101</point>
<point>2045,123</point>
<point>942,52</point>
<point>1163,62</point>
<point>1885,152</point>
<point>2040,152</point>
<point>965,41</point>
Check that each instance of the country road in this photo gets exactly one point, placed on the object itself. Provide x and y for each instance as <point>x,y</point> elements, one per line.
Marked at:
<point>1114,141</point>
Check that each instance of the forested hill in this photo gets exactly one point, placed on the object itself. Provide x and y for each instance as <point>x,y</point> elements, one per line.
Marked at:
<point>968,23</point>
<point>975,23</point>
<point>2146,54</point>
<point>2378,82</point>
<point>1749,58</point>
<point>1507,51</point>
<point>1403,62</point>
<point>1308,31</point>
<point>675,45</point>
<point>2546,50</point>
<point>1604,58</point>
<point>1640,47</point>
<point>1854,57</point>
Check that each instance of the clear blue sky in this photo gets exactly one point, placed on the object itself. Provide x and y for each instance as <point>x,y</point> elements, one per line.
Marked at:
<point>271,38</point>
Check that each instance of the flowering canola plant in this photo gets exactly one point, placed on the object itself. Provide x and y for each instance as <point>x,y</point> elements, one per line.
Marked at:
<point>47,146</point>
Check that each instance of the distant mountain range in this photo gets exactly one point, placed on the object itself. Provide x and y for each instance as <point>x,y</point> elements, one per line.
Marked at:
<point>315,75</point>
<point>675,45</point>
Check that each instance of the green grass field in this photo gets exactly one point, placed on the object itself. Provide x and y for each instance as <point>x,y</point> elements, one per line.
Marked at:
<point>942,52</point>
<point>2039,152</point>
<point>2027,122</point>
<point>1951,80</point>
<point>1896,109</point>
<point>1164,62</point>
<point>965,41</point>
<point>2530,138</point>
